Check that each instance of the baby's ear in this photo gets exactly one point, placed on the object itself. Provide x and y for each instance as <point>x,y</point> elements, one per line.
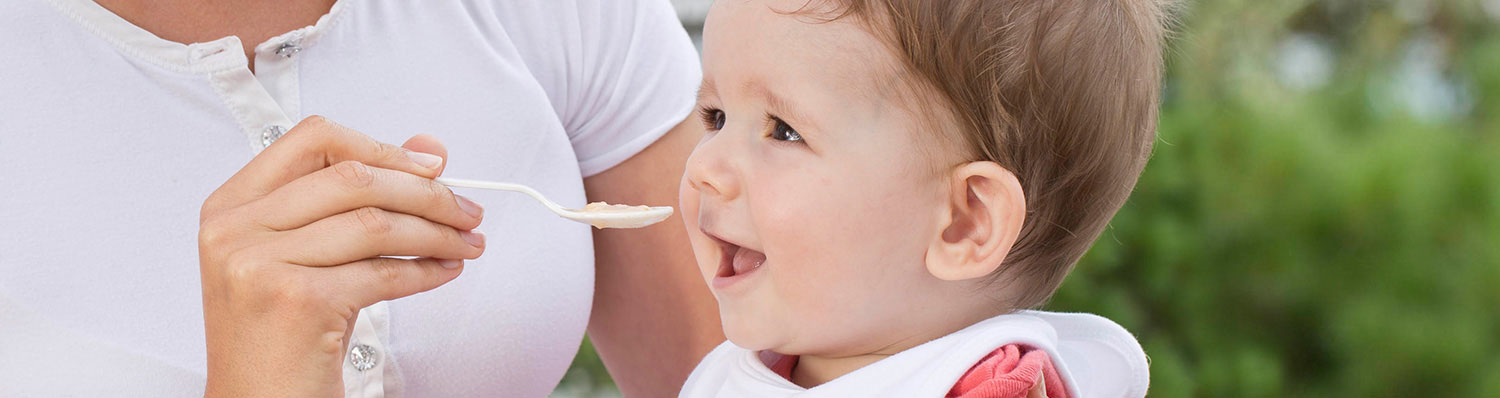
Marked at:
<point>983,217</point>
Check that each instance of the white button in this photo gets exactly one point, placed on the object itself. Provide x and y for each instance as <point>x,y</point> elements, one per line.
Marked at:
<point>363,357</point>
<point>270,134</point>
<point>288,49</point>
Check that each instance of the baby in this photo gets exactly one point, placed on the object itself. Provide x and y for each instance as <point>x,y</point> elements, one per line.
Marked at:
<point>886,186</point>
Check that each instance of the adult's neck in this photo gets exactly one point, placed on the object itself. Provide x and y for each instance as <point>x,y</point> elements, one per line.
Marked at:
<point>195,21</point>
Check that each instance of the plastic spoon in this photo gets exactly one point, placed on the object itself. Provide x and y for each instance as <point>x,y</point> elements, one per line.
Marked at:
<point>599,214</point>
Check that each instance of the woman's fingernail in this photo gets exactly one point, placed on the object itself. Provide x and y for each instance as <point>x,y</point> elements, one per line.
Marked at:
<point>475,238</point>
<point>469,207</point>
<point>425,159</point>
<point>450,264</point>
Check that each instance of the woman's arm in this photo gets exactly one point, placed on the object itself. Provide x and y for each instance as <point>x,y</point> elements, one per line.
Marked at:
<point>654,317</point>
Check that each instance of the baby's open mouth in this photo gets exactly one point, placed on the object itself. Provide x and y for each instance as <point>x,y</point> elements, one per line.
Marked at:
<point>736,260</point>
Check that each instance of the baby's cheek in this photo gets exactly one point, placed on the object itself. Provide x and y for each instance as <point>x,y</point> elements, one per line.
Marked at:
<point>817,278</point>
<point>687,200</point>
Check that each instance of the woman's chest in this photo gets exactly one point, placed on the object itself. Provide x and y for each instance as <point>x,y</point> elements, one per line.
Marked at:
<point>110,164</point>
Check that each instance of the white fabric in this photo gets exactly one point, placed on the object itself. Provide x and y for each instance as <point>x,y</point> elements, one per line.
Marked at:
<point>113,137</point>
<point>1096,357</point>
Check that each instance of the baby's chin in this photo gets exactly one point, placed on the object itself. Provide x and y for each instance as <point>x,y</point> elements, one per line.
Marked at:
<point>753,334</point>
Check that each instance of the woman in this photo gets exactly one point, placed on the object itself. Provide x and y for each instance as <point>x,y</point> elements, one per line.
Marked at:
<point>119,135</point>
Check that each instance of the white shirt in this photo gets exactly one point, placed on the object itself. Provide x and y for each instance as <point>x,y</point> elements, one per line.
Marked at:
<point>1095,357</point>
<point>112,138</point>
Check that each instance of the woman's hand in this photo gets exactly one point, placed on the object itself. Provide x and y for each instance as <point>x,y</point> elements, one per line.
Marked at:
<point>298,241</point>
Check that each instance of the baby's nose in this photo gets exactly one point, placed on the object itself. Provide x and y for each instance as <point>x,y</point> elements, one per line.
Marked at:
<point>710,171</point>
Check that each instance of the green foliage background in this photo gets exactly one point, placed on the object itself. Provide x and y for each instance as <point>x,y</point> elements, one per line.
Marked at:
<point>1325,240</point>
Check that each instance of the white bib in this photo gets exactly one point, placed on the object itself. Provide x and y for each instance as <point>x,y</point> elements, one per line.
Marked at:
<point>1095,356</point>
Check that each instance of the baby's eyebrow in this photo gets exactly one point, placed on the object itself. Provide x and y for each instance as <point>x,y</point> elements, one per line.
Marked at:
<point>775,104</point>
<point>707,89</point>
<point>779,106</point>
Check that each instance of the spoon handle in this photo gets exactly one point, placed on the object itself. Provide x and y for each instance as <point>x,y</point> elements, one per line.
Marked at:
<point>499,186</point>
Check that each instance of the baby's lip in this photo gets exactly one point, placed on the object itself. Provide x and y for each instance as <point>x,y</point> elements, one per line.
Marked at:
<point>707,225</point>
<point>723,243</point>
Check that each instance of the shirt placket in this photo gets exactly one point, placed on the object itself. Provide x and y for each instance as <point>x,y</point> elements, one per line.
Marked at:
<point>277,72</point>
<point>367,357</point>
<point>259,115</point>
<point>264,105</point>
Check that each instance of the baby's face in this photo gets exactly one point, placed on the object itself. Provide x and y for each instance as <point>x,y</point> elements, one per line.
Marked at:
<point>808,203</point>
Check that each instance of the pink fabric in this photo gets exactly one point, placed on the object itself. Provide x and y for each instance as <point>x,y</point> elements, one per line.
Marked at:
<point>784,365</point>
<point>1008,372</point>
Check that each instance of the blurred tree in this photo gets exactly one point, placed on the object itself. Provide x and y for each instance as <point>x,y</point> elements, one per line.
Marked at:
<point>1316,238</point>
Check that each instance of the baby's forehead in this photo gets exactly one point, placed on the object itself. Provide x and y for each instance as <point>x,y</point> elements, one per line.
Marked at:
<point>751,47</point>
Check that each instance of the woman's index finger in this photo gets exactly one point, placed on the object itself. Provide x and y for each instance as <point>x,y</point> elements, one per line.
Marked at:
<point>313,144</point>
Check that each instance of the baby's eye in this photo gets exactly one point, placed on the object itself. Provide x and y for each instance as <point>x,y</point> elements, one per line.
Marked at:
<point>713,119</point>
<point>784,132</point>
